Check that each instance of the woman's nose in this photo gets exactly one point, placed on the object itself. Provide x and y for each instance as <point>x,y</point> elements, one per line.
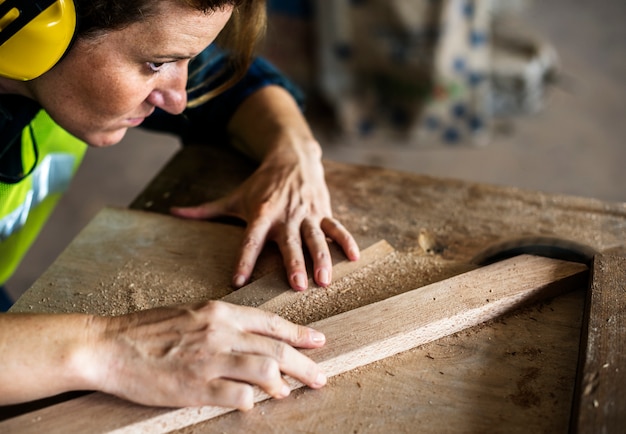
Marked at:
<point>170,93</point>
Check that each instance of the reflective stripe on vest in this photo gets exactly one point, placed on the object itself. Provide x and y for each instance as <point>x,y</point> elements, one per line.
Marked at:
<point>26,205</point>
<point>52,175</point>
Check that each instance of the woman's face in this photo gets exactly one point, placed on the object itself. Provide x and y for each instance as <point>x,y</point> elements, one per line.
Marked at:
<point>106,85</point>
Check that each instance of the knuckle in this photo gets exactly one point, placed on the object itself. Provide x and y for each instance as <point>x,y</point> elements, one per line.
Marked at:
<point>302,334</point>
<point>280,351</point>
<point>268,370</point>
<point>322,255</point>
<point>312,232</point>
<point>292,240</point>
<point>274,324</point>
<point>250,242</point>
<point>294,263</point>
<point>216,310</point>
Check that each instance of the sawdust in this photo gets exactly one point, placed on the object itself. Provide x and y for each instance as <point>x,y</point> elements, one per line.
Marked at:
<point>137,286</point>
<point>392,275</point>
<point>455,220</point>
<point>458,220</point>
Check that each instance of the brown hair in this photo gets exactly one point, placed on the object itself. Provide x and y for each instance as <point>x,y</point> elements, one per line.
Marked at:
<point>240,36</point>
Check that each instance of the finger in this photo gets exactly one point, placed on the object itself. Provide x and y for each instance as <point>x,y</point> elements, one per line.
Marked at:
<point>253,320</point>
<point>204,211</point>
<point>318,247</point>
<point>262,371</point>
<point>337,232</point>
<point>274,357</point>
<point>290,246</point>
<point>231,394</point>
<point>253,242</point>
<point>267,334</point>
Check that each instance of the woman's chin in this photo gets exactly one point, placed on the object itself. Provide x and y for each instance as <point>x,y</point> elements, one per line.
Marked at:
<point>103,140</point>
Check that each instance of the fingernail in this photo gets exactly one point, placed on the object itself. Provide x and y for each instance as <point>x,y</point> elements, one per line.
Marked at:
<point>320,380</point>
<point>239,281</point>
<point>299,281</point>
<point>323,277</point>
<point>317,337</point>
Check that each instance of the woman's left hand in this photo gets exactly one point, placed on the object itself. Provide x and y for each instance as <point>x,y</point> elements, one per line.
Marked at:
<point>286,200</point>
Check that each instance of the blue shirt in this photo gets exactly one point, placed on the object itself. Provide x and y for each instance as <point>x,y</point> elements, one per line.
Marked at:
<point>210,119</point>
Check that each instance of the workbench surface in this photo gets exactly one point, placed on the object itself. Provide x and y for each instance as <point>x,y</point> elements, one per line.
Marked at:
<point>516,374</point>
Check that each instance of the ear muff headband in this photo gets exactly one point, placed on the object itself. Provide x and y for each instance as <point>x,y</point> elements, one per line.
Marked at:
<point>34,36</point>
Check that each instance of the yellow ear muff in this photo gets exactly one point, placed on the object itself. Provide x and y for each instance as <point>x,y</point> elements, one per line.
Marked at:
<point>34,36</point>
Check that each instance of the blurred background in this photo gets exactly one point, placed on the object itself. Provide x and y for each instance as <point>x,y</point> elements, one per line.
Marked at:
<point>521,93</point>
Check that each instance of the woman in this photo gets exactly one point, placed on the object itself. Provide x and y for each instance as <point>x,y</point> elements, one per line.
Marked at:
<point>128,65</point>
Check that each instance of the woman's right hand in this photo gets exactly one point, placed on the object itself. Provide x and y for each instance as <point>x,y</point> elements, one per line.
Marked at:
<point>210,354</point>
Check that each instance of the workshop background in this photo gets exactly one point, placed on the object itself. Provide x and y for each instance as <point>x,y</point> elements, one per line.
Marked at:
<point>522,93</point>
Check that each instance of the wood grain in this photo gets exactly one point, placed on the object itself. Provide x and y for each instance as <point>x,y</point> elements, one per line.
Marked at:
<point>600,406</point>
<point>515,373</point>
<point>354,338</point>
<point>127,260</point>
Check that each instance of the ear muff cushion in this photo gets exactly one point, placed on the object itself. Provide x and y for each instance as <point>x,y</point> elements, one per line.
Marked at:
<point>40,43</point>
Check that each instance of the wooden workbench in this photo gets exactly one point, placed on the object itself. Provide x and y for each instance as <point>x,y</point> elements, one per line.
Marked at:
<point>516,374</point>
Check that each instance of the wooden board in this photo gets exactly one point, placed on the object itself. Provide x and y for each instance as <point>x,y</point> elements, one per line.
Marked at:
<point>517,373</point>
<point>126,260</point>
<point>600,406</point>
<point>355,338</point>
<point>267,295</point>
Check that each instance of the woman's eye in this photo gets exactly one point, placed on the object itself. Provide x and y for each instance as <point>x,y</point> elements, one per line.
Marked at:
<point>155,66</point>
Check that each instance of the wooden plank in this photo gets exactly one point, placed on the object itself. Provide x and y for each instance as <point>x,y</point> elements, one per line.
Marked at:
<point>269,292</point>
<point>601,386</point>
<point>355,338</point>
<point>127,260</point>
<point>479,390</point>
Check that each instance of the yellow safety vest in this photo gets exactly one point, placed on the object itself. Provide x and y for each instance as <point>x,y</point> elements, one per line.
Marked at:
<point>26,205</point>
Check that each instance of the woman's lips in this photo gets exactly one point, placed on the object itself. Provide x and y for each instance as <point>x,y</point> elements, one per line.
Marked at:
<point>133,122</point>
